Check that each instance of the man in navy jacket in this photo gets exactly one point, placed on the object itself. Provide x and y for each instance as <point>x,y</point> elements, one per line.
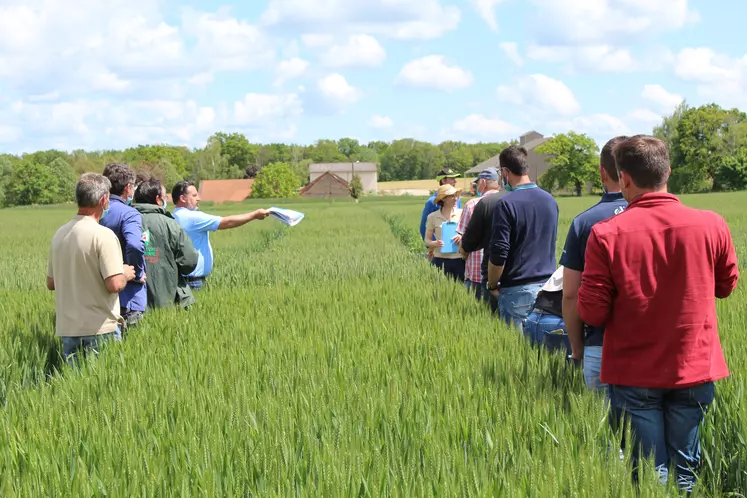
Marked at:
<point>127,225</point>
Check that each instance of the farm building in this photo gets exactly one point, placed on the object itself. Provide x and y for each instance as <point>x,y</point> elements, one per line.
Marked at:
<point>225,190</point>
<point>537,162</point>
<point>326,185</point>
<point>368,173</point>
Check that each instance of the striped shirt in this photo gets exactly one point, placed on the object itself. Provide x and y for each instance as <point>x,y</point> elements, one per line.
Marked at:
<point>472,271</point>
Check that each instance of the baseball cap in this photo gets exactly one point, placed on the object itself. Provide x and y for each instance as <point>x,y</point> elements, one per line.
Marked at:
<point>446,173</point>
<point>490,174</point>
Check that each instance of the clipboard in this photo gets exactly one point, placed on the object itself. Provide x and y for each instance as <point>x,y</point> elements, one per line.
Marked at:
<point>448,232</point>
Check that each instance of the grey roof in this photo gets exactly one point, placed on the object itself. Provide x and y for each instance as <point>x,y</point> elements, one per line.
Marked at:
<point>535,143</point>
<point>493,162</point>
<point>342,167</point>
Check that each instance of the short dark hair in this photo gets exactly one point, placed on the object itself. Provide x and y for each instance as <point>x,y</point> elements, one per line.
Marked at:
<point>120,175</point>
<point>179,190</point>
<point>645,159</point>
<point>514,158</point>
<point>148,191</point>
<point>607,157</point>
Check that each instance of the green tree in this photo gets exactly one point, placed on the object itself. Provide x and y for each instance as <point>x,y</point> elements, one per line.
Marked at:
<point>155,154</point>
<point>276,180</point>
<point>705,136</point>
<point>66,179</point>
<point>238,151</point>
<point>326,151</point>
<point>32,183</point>
<point>348,147</point>
<point>457,156</point>
<point>575,162</point>
<point>356,186</point>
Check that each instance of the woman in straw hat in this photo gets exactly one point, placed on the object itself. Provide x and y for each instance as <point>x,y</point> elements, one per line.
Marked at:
<point>444,258</point>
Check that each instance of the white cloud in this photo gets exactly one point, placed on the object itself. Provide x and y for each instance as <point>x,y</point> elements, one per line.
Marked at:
<point>719,76</point>
<point>315,40</point>
<point>45,97</point>
<point>109,81</point>
<point>511,50</point>
<point>644,117</point>
<point>9,134</point>
<point>603,58</point>
<point>256,108</point>
<point>336,88</point>
<point>661,97</point>
<point>47,46</point>
<point>477,126</point>
<point>541,95</point>
<point>486,9</point>
<point>227,43</point>
<point>574,22</point>
<point>434,71</point>
<point>358,51</point>
<point>290,69</point>
<point>600,126</point>
<point>399,19</point>
<point>381,121</point>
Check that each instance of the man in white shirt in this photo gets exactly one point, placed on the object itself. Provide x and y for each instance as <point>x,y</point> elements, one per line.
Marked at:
<point>86,270</point>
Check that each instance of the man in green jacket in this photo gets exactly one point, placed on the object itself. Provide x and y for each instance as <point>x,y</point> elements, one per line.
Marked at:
<point>169,253</point>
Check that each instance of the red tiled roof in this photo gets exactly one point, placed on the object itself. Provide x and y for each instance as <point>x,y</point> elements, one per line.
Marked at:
<point>225,190</point>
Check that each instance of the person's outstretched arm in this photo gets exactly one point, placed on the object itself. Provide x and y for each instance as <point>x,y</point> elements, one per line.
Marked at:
<point>237,220</point>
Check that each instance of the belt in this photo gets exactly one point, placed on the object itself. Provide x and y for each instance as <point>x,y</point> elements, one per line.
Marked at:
<point>194,279</point>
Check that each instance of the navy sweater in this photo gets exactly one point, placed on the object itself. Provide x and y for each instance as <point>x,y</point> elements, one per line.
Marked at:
<point>525,229</point>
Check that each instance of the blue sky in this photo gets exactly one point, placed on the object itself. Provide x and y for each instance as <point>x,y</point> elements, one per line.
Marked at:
<point>116,73</point>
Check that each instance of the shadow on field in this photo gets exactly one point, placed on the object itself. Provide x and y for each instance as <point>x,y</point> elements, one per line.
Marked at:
<point>33,355</point>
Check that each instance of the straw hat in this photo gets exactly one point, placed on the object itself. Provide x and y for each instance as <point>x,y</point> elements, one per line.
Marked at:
<point>445,191</point>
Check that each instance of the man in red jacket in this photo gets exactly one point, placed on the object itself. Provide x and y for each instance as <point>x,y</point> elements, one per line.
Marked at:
<point>652,277</point>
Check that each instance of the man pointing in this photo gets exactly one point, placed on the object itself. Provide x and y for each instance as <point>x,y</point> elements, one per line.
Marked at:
<point>198,226</point>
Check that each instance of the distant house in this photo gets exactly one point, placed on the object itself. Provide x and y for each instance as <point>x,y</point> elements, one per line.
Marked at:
<point>225,190</point>
<point>368,173</point>
<point>537,162</point>
<point>327,185</point>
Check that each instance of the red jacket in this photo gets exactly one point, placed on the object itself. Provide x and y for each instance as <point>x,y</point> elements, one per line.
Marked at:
<point>651,278</point>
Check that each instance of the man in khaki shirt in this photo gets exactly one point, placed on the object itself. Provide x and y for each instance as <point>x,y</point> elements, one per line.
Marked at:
<point>86,269</point>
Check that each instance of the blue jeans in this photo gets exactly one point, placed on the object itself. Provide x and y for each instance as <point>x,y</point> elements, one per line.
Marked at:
<point>593,368</point>
<point>665,424</point>
<point>548,330</point>
<point>196,284</point>
<point>515,303</point>
<point>73,346</point>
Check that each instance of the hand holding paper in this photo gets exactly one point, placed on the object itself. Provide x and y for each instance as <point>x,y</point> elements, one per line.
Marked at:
<point>287,216</point>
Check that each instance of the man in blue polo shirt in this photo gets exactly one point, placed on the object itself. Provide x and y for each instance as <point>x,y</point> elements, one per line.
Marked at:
<point>198,226</point>
<point>522,245</point>
<point>586,342</point>
<point>445,176</point>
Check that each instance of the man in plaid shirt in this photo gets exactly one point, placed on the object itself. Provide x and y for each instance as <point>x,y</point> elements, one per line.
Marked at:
<point>487,183</point>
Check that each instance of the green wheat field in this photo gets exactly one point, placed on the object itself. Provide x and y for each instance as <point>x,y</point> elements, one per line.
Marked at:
<point>328,359</point>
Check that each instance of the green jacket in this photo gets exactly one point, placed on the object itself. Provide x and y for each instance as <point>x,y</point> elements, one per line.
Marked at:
<point>169,255</point>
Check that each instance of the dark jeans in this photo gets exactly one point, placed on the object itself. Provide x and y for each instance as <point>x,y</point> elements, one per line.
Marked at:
<point>665,424</point>
<point>131,317</point>
<point>478,290</point>
<point>453,268</point>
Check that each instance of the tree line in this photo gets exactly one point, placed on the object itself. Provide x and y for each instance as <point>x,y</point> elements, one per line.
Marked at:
<point>708,147</point>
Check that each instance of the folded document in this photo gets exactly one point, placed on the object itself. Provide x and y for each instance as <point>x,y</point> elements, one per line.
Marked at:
<point>287,216</point>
